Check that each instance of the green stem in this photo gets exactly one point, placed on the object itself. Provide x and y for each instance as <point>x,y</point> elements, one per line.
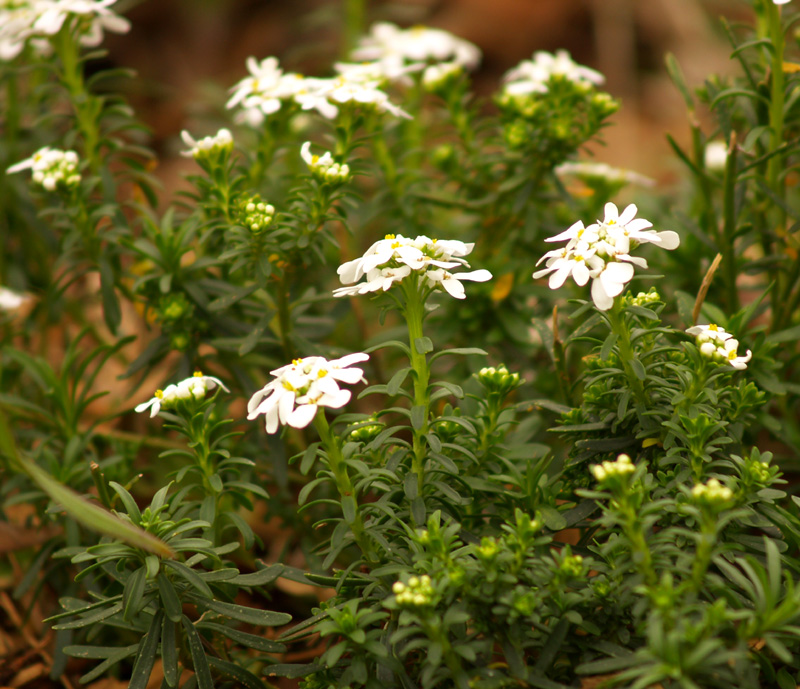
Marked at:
<point>87,107</point>
<point>641,551</point>
<point>729,228</point>
<point>354,21</point>
<point>284,316</point>
<point>616,319</point>
<point>338,467</point>
<point>414,311</point>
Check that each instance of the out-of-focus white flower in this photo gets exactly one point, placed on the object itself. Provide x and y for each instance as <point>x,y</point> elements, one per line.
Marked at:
<point>601,251</point>
<point>532,76</point>
<point>201,148</point>
<point>387,69</point>
<point>51,168</point>
<point>189,388</point>
<point>11,301</point>
<point>24,20</point>
<point>268,88</point>
<point>387,42</point>
<point>716,155</point>
<point>324,167</point>
<point>711,333</point>
<point>395,257</point>
<point>780,2</point>
<point>589,170</point>
<point>440,75</point>
<point>303,386</point>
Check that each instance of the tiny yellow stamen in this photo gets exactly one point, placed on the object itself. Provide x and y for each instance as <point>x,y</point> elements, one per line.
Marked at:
<point>389,236</point>
<point>198,374</point>
<point>296,362</point>
<point>714,327</point>
<point>288,385</point>
<point>314,159</point>
<point>322,373</point>
<point>395,245</point>
<point>159,394</point>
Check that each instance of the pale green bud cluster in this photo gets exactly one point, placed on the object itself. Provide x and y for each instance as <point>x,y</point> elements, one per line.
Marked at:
<point>417,593</point>
<point>488,548</point>
<point>758,471</point>
<point>255,214</point>
<point>337,172</point>
<point>712,493</point>
<point>572,566</point>
<point>644,298</point>
<point>619,468</point>
<point>208,146</point>
<point>498,379</point>
<point>719,346</point>
<point>367,432</point>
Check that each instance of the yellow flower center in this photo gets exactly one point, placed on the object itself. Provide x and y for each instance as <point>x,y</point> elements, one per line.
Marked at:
<point>714,327</point>
<point>314,159</point>
<point>296,362</point>
<point>322,373</point>
<point>159,394</point>
<point>389,236</point>
<point>198,374</point>
<point>288,385</point>
<point>395,245</point>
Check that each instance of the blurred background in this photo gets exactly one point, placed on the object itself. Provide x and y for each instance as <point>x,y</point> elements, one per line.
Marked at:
<point>187,53</point>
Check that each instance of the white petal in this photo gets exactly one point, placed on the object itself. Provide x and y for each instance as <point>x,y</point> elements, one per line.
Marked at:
<point>453,287</point>
<point>302,416</point>
<point>601,300</point>
<point>669,239</point>
<point>628,214</point>
<point>336,401</point>
<point>481,275</point>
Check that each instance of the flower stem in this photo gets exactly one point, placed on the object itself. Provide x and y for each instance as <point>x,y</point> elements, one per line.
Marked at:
<point>87,107</point>
<point>338,467</point>
<point>414,312</point>
<point>618,324</point>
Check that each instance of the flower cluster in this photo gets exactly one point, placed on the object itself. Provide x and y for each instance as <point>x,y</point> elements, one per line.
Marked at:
<point>393,48</point>
<point>610,470</point>
<point>418,592</point>
<point>713,493</point>
<point>303,386</point>
<point>532,76</point>
<point>438,77</point>
<point>24,20</point>
<point>572,566</point>
<point>590,171</point>
<point>395,257</point>
<point>51,168</point>
<point>601,251</point>
<point>268,88</point>
<point>193,388</point>
<point>324,167</point>
<point>255,215</point>
<point>718,345</point>
<point>207,146</point>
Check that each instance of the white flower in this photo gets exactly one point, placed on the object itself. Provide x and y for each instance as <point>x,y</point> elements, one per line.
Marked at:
<point>780,2</point>
<point>716,155</point>
<point>303,386</point>
<point>711,333</point>
<point>189,388</point>
<point>51,168</point>
<point>532,76</point>
<point>593,170</point>
<point>601,251</point>
<point>324,166</point>
<point>11,300</point>
<point>223,139</point>
<point>419,44</point>
<point>385,69</point>
<point>395,257</point>
<point>438,75</point>
<point>729,351</point>
<point>439,277</point>
<point>54,13</point>
<point>264,91</point>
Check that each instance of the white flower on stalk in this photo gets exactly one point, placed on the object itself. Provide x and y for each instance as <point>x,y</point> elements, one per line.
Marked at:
<point>780,2</point>
<point>300,388</point>
<point>189,388</point>
<point>532,76</point>
<point>439,75</point>
<point>589,170</point>
<point>201,148</point>
<point>716,155</point>
<point>420,44</point>
<point>264,91</point>
<point>601,251</point>
<point>51,168</point>
<point>720,346</point>
<point>395,257</point>
<point>55,12</point>
<point>729,351</point>
<point>711,334</point>
<point>387,69</point>
<point>324,166</point>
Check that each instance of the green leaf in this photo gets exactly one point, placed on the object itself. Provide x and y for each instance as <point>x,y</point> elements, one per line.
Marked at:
<point>239,675</point>
<point>423,344</point>
<point>254,616</point>
<point>133,592</point>
<point>97,615</point>
<point>418,416</point>
<point>243,638</point>
<point>396,381</point>
<point>111,309</point>
<point>169,598</point>
<point>459,351</point>
<point>202,672</point>
<point>146,656</point>
<point>190,577</point>
<point>169,651</point>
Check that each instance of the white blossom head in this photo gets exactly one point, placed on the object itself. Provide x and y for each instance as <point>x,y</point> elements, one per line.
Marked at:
<point>719,346</point>
<point>324,167</point>
<point>601,252</point>
<point>533,76</point>
<point>395,257</point>
<point>193,388</point>
<point>302,387</point>
<point>222,141</point>
<point>419,45</point>
<point>51,168</point>
<point>590,170</point>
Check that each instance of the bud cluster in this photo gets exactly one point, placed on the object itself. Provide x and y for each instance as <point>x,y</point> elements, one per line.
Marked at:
<point>720,346</point>
<point>418,592</point>
<point>254,214</point>
<point>498,379</point>
<point>209,146</point>
<point>610,470</point>
<point>324,167</point>
<point>51,168</point>
<point>712,494</point>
